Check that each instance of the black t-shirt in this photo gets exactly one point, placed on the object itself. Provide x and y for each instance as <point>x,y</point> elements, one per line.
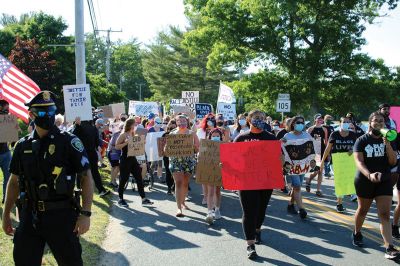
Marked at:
<point>281,133</point>
<point>342,144</point>
<point>374,153</point>
<point>249,136</point>
<point>319,132</point>
<point>358,130</point>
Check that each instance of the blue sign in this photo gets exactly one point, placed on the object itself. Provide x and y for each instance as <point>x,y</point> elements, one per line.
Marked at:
<point>202,109</point>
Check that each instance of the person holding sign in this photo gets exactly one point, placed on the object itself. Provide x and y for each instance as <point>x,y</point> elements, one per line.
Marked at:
<point>254,202</point>
<point>5,153</point>
<point>341,141</point>
<point>182,167</point>
<point>374,156</point>
<point>129,165</point>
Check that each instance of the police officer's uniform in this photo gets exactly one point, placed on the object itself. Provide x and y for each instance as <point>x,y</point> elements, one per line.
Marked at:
<point>46,168</point>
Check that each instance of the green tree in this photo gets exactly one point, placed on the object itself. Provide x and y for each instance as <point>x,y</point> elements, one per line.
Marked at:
<point>102,92</point>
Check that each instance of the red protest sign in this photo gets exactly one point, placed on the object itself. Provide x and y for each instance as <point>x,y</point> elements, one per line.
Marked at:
<point>256,165</point>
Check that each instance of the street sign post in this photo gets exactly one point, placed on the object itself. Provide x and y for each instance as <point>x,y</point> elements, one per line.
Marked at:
<point>283,103</point>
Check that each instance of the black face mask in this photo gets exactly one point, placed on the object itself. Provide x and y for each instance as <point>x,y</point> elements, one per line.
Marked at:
<point>220,124</point>
<point>45,122</point>
<point>123,119</point>
<point>376,132</point>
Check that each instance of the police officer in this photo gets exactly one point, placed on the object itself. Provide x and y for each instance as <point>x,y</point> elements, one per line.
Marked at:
<point>43,170</point>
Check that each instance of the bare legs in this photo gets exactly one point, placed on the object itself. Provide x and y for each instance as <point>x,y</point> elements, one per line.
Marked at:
<point>181,189</point>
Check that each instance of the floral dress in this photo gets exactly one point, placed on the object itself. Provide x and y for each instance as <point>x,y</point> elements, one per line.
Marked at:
<point>182,164</point>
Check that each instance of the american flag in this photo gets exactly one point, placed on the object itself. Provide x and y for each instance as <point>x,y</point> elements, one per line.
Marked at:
<point>16,88</point>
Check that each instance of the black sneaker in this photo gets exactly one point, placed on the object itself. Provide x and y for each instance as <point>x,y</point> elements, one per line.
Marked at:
<point>122,203</point>
<point>146,201</point>
<point>302,213</point>
<point>357,239</point>
<point>291,209</point>
<point>391,253</point>
<point>395,231</point>
<point>169,191</point>
<point>284,190</point>
<point>251,252</point>
<point>258,238</point>
<point>340,208</point>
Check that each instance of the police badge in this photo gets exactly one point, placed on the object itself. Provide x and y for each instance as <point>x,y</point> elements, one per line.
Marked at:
<point>52,149</point>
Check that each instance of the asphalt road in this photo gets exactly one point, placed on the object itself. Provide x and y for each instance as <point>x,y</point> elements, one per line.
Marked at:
<point>154,236</point>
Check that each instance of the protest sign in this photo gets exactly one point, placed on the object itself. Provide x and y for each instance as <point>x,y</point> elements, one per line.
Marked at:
<point>107,111</point>
<point>77,102</point>
<point>183,109</point>
<point>161,145</point>
<point>345,171</point>
<point>225,94</point>
<point>179,145</point>
<point>8,128</point>
<point>208,169</point>
<point>203,109</point>
<point>152,146</point>
<point>173,102</point>
<point>136,146</point>
<point>317,149</point>
<point>143,108</point>
<point>395,115</point>
<point>190,98</point>
<point>256,165</point>
<point>227,109</point>
<point>115,126</point>
<point>299,153</point>
<point>117,109</point>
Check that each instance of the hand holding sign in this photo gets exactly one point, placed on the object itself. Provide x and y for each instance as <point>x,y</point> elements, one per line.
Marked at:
<point>179,145</point>
<point>8,128</point>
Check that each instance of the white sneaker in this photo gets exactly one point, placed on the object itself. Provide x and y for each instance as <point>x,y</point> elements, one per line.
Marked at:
<point>217,214</point>
<point>209,218</point>
<point>204,201</point>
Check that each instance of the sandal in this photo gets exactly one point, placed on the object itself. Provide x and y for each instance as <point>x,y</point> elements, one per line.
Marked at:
<point>308,187</point>
<point>179,214</point>
<point>319,194</point>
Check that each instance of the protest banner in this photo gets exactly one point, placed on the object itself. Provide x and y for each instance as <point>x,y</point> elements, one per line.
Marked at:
<point>395,115</point>
<point>117,109</point>
<point>173,102</point>
<point>77,102</point>
<point>203,109</point>
<point>143,108</point>
<point>136,146</point>
<point>256,165</point>
<point>183,109</point>
<point>115,126</point>
<point>228,110</point>
<point>299,153</point>
<point>107,111</point>
<point>317,149</point>
<point>179,145</point>
<point>8,128</point>
<point>152,146</point>
<point>225,94</point>
<point>161,145</point>
<point>345,171</point>
<point>208,169</point>
<point>190,98</point>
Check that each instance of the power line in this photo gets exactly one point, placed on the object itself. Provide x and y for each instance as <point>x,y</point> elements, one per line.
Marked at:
<point>94,21</point>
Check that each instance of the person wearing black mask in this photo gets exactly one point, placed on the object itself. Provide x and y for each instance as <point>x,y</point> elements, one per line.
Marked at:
<point>5,153</point>
<point>221,126</point>
<point>358,130</point>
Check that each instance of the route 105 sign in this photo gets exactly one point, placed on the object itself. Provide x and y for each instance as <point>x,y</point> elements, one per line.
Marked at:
<point>283,106</point>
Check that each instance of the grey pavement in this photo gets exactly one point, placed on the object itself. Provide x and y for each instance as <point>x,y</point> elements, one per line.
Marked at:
<point>154,236</point>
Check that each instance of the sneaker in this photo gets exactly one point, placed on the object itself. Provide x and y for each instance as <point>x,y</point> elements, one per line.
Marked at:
<point>169,191</point>
<point>204,201</point>
<point>217,214</point>
<point>340,208</point>
<point>319,194</point>
<point>104,193</point>
<point>146,201</point>
<point>122,203</point>
<point>210,218</point>
<point>188,199</point>
<point>327,175</point>
<point>303,213</point>
<point>391,252</point>
<point>308,187</point>
<point>251,252</point>
<point>291,209</point>
<point>357,239</point>
<point>284,190</point>
<point>353,198</point>
<point>258,238</point>
<point>395,231</point>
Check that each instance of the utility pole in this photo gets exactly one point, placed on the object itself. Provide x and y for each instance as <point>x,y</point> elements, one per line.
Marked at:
<point>108,52</point>
<point>80,67</point>
<point>140,90</point>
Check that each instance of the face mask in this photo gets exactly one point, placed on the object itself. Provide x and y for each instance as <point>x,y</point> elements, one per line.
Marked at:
<point>45,122</point>
<point>210,123</point>
<point>376,132</point>
<point>220,124</point>
<point>157,125</point>
<point>298,127</point>
<point>182,125</point>
<point>275,127</point>
<point>345,126</point>
<point>100,115</point>
<point>258,123</point>
<point>242,122</point>
<point>215,138</point>
<point>123,119</point>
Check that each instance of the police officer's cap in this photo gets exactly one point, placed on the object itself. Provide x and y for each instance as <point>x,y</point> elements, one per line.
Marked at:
<point>42,99</point>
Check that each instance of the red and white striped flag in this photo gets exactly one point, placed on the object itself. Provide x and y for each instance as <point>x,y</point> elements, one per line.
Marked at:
<point>16,88</point>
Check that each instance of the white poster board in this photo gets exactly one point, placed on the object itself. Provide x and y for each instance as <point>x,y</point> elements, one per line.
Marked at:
<point>190,98</point>
<point>77,102</point>
<point>225,94</point>
<point>227,109</point>
<point>143,108</point>
<point>151,146</point>
<point>118,108</point>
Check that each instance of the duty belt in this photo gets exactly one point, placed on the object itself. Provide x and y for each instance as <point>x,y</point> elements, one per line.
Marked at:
<point>43,206</point>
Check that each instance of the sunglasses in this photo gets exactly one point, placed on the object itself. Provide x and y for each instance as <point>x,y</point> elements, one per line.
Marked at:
<point>299,122</point>
<point>45,112</point>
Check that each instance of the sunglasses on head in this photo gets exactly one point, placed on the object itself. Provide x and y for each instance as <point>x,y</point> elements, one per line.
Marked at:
<point>42,112</point>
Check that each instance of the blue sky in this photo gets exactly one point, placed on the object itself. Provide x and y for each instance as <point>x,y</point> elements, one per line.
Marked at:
<point>142,19</point>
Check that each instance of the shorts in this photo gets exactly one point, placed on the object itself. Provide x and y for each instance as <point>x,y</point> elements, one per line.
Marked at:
<point>114,163</point>
<point>369,190</point>
<point>183,164</point>
<point>295,180</point>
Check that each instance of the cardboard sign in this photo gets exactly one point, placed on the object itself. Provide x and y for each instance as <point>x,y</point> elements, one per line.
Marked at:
<point>190,98</point>
<point>203,109</point>
<point>107,111</point>
<point>143,108</point>
<point>117,109</point>
<point>152,146</point>
<point>251,165</point>
<point>8,128</point>
<point>317,149</point>
<point>395,115</point>
<point>161,145</point>
<point>136,146</point>
<point>77,102</point>
<point>179,145</point>
<point>208,170</point>
<point>227,109</point>
<point>298,154</point>
<point>345,171</point>
<point>183,109</point>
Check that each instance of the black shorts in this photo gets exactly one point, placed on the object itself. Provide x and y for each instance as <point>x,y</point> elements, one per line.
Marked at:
<point>369,190</point>
<point>113,163</point>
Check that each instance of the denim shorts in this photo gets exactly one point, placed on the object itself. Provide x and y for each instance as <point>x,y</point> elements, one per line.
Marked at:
<point>295,180</point>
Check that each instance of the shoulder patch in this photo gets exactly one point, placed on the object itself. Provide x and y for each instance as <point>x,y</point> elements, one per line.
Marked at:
<point>77,144</point>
